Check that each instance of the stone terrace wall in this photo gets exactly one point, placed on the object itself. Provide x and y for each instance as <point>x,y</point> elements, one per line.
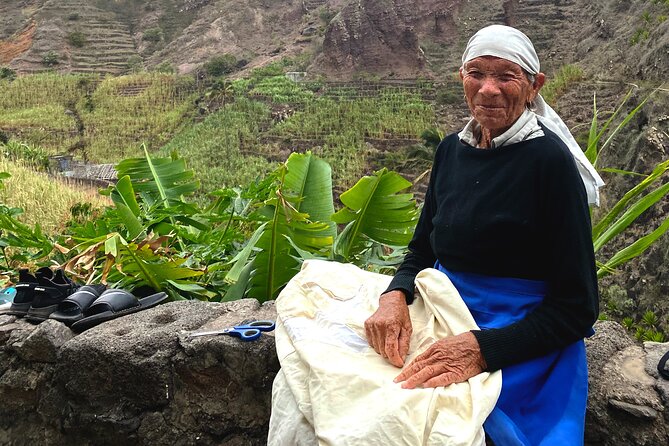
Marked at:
<point>139,380</point>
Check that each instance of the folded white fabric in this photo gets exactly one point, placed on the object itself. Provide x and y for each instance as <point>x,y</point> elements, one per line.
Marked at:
<point>333,389</point>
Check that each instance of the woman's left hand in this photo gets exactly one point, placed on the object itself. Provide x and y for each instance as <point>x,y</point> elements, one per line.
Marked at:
<point>450,360</point>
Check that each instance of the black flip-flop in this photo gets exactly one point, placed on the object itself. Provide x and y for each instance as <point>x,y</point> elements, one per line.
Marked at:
<point>662,366</point>
<point>115,303</point>
<point>73,307</point>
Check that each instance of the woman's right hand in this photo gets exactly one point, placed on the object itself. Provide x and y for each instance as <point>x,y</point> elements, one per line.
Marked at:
<point>389,329</point>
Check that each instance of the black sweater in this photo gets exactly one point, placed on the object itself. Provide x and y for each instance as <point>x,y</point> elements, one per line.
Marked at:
<point>513,211</point>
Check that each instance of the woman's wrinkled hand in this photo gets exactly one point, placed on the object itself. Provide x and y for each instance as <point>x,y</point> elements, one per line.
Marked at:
<point>389,329</point>
<point>450,360</point>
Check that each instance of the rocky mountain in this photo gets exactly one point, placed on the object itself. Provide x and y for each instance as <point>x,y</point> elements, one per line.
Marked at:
<point>337,38</point>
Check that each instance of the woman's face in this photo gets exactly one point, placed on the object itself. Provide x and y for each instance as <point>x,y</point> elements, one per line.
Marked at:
<point>497,91</point>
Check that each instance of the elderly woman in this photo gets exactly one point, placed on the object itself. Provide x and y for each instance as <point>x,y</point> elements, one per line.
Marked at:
<point>506,218</point>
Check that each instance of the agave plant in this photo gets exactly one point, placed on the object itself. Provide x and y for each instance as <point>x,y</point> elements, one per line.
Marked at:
<point>634,202</point>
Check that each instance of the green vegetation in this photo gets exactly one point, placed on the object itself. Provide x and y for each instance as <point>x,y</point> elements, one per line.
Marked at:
<point>165,67</point>
<point>647,329</point>
<point>44,199</point>
<point>27,154</point>
<point>117,113</point>
<point>649,21</point>
<point>221,65</point>
<point>50,59</point>
<point>647,192</point>
<point>77,39</point>
<point>152,236</point>
<point>153,35</point>
<point>562,81</point>
<point>135,64</point>
<point>7,73</point>
<point>212,147</point>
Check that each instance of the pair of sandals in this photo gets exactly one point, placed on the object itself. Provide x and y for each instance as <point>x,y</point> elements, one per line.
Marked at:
<point>91,305</point>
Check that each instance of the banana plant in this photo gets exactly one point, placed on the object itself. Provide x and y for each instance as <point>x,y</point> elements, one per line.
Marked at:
<point>302,183</point>
<point>646,193</point>
<point>375,212</point>
<point>299,223</point>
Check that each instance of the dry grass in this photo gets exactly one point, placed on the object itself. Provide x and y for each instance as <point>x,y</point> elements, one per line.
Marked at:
<point>44,199</point>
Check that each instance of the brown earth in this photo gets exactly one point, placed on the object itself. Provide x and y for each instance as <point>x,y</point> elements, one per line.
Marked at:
<point>18,44</point>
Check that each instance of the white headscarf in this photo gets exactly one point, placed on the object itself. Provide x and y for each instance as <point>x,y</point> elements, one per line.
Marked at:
<point>510,44</point>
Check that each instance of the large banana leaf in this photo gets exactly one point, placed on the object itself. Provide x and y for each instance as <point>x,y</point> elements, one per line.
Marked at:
<point>287,228</point>
<point>163,180</point>
<point>276,261</point>
<point>375,211</point>
<point>123,196</point>
<point>310,179</point>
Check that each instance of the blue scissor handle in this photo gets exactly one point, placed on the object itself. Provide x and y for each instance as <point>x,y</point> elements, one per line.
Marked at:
<point>251,331</point>
<point>245,334</point>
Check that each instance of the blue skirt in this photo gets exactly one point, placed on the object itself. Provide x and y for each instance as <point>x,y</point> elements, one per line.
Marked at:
<point>543,400</point>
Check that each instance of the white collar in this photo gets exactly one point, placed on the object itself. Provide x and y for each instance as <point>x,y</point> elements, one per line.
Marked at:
<point>526,127</point>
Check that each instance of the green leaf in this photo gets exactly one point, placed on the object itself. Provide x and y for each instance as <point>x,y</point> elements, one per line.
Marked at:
<point>591,150</point>
<point>163,180</point>
<point>375,211</point>
<point>242,257</point>
<point>617,209</point>
<point>631,214</point>
<point>310,179</point>
<point>623,172</point>
<point>131,222</point>
<point>237,291</point>
<point>635,249</point>
<point>124,193</point>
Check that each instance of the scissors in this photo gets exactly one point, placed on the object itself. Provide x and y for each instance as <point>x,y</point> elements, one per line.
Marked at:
<point>245,331</point>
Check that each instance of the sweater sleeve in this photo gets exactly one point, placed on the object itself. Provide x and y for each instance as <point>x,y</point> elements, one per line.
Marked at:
<point>571,305</point>
<point>420,255</point>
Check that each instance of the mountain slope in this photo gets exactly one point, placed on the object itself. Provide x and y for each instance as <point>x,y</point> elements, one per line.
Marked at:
<point>613,39</point>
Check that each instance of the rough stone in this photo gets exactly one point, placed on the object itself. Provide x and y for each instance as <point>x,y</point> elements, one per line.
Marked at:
<point>42,344</point>
<point>634,410</point>
<point>624,404</point>
<point>141,380</point>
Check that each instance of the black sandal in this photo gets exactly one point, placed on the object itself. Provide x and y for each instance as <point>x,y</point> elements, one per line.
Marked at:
<point>73,307</point>
<point>662,366</point>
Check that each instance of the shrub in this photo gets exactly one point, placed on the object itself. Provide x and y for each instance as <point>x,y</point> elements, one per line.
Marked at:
<point>135,63</point>
<point>76,39</point>
<point>326,15</point>
<point>165,67</point>
<point>639,35</point>
<point>153,35</point>
<point>7,73</point>
<point>50,59</point>
<point>562,81</point>
<point>221,65</point>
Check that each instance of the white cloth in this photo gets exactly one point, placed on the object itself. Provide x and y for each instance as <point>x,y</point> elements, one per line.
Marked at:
<point>333,389</point>
<point>511,44</point>
<point>526,127</point>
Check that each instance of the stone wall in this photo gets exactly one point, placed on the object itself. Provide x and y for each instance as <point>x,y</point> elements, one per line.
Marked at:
<point>141,380</point>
